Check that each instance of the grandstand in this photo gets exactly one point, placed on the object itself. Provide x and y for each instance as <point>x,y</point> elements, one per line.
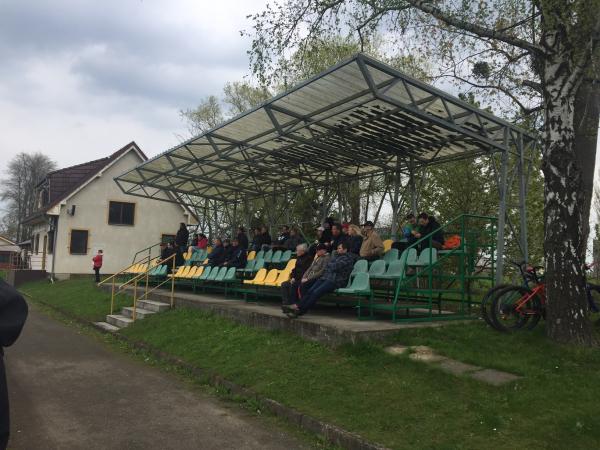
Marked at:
<point>359,118</point>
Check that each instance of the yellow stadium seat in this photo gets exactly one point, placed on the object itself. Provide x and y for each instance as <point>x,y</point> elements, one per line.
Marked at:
<point>208,249</point>
<point>205,261</point>
<point>270,278</point>
<point>290,265</point>
<point>284,276</point>
<point>191,272</point>
<point>184,273</point>
<point>387,244</point>
<point>258,278</point>
<point>199,271</point>
<point>251,255</point>
<point>178,272</point>
<point>187,255</point>
<point>143,268</point>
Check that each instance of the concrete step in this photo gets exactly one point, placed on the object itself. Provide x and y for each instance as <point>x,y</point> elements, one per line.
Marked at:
<point>118,320</point>
<point>153,305</point>
<point>107,326</point>
<point>140,313</point>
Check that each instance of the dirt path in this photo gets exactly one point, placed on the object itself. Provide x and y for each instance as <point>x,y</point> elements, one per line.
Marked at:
<point>68,391</point>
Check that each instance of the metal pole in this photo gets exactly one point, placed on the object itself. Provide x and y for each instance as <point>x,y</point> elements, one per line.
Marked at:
<point>522,198</point>
<point>172,281</point>
<point>501,219</point>
<point>394,225</point>
<point>412,187</point>
<point>112,297</point>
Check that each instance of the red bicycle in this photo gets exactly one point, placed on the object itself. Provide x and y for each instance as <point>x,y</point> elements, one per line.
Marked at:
<point>515,307</point>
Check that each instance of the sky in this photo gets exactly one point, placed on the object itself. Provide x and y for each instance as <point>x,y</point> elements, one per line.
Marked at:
<point>79,79</point>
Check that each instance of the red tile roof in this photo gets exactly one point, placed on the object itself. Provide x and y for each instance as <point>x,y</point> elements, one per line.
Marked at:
<point>65,181</point>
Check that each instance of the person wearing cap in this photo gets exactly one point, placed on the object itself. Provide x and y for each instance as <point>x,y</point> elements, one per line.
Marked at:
<point>316,269</point>
<point>336,275</point>
<point>372,245</point>
<point>290,288</point>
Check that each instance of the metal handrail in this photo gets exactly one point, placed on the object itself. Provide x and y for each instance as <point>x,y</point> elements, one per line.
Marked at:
<point>148,249</point>
<point>122,271</point>
<point>134,280</point>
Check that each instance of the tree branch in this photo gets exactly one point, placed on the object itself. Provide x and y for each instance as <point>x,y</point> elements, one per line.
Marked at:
<point>478,30</point>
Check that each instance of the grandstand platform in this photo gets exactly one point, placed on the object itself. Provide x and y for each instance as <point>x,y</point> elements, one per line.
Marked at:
<point>327,323</point>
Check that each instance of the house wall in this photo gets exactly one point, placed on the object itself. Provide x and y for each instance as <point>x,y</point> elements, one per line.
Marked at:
<point>118,242</point>
<point>37,259</point>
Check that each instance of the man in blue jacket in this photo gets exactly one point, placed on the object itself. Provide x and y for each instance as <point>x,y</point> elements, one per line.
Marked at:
<point>336,275</point>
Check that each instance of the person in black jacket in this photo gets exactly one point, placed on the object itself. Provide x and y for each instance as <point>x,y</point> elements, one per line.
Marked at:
<point>428,225</point>
<point>289,289</point>
<point>354,239</point>
<point>216,257</point>
<point>242,238</point>
<point>337,237</point>
<point>182,236</point>
<point>175,249</point>
<point>237,255</point>
<point>227,250</point>
<point>265,238</point>
<point>336,275</point>
<point>13,313</point>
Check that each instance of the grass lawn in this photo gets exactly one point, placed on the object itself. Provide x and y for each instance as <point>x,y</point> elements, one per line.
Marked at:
<point>391,400</point>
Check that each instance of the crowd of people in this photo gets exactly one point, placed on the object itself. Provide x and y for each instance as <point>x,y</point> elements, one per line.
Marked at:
<point>321,266</point>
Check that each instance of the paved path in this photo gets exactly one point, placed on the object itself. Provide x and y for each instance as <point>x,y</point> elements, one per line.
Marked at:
<point>68,391</point>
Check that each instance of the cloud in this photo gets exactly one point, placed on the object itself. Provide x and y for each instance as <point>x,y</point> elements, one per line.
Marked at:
<point>88,75</point>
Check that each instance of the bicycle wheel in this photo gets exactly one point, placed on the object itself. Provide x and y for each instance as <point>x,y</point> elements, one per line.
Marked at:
<point>510,313</point>
<point>488,300</point>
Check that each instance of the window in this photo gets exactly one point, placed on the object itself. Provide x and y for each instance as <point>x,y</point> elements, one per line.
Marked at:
<point>121,213</point>
<point>166,238</point>
<point>50,242</point>
<point>4,257</point>
<point>79,242</point>
<point>36,245</point>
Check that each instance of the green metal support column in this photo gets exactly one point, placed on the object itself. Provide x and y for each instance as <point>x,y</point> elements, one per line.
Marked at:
<point>501,219</point>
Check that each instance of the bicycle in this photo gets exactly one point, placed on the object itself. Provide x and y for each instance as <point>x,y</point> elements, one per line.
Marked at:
<point>489,296</point>
<point>515,307</point>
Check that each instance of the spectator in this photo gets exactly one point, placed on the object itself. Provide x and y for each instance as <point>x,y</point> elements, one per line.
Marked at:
<point>164,253</point>
<point>290,289</point>
<point>428,225</point>
<point>316,268</point>
<point>97,261</point>
<point>174,249</point>
<point>242,238</point>
<point>321,238</point>
<point>282,238</point>
<point>13,313</point>
<point>216,257</point>
<point>355,239</point>
<point>372,246</point>
<point>182,236</point>
<point>409,229</point>
<point>200,242</point>
<point>266,238</point>
<point>327,229</point>
<point>257,240</point>
<point>293,241</point>
<point>237,255</point>
<point>336,275</point>
<point>227,250</point>
<point>337,237</point>
<point>345,228</point>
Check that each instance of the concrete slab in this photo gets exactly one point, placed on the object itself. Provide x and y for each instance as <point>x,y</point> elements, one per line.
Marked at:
<point>107,326</point>
<point>118,320</point>
<point>396,349</point>
<point>327,323</point>
<point>152,305</point>
<point>456,367</point>
<point>140,313</point>
<point>427,357</point>
<point>494,377</point>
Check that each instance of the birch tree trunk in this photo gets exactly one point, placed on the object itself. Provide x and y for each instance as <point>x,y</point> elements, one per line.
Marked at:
<point>565,236</point>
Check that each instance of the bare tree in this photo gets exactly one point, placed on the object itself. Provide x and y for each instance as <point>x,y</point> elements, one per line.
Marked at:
<point>23,174</point>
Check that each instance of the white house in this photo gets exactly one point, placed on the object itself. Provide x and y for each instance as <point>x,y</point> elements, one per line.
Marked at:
<point>81,210</point>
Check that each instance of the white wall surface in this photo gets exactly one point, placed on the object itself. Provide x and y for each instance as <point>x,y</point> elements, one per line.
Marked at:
<point>119,242</point>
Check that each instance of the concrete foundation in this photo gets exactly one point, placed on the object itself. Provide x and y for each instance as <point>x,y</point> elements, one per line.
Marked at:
<point>328,324</point>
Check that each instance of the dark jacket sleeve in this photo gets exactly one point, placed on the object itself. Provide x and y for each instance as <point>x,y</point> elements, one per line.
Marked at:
<point>13,313</point>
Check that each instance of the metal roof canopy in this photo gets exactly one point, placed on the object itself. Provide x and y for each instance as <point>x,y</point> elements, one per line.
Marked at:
<point>359,118</point>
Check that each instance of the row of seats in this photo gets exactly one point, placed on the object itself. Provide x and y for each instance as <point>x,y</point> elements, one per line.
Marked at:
<point>273,277</point>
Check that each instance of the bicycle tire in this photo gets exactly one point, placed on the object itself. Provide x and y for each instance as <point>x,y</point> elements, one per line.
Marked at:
<point>488,299</point>
<point>503,310</point>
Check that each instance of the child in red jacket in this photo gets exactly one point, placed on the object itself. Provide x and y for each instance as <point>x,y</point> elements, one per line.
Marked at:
<point>97,260</point>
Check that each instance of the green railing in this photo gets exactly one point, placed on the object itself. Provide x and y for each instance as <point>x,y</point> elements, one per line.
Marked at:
<point>446,282</point>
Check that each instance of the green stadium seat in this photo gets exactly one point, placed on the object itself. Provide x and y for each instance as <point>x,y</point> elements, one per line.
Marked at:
<point>377,267</point>
<point>395,271</point>
<point>268,257</point>
<point>360,285</point>
<point>391,255</point>
<point>276,259</point>
<point>285,257</point>
<point>362,265</point>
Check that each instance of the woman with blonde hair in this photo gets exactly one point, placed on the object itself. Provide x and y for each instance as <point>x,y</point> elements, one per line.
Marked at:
<point>355,239</point>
